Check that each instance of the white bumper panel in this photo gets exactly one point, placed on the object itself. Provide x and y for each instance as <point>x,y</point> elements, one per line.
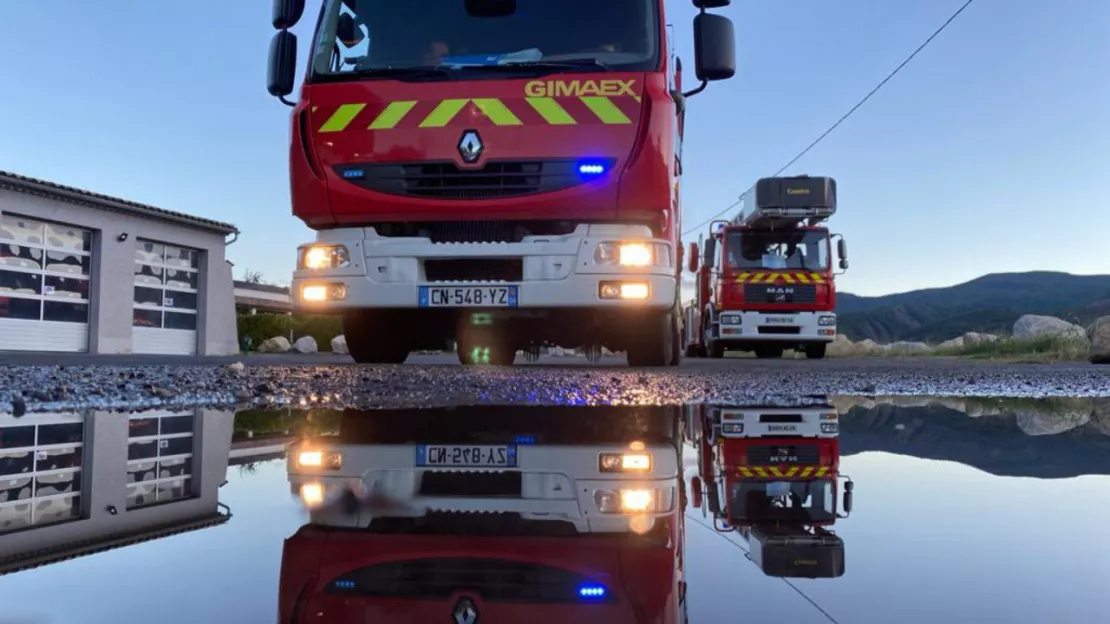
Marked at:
<point>558,271</point>
<point>760,326</point>
<point>549,489</point>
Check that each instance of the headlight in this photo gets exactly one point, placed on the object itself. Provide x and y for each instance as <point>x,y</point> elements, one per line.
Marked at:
<point>633,254</point>
<point>730,319</point>
<point>320,459</point>
<point>732,427</point>
<point>323,257</point>
<point>829,427</point>
<point>826,320</point>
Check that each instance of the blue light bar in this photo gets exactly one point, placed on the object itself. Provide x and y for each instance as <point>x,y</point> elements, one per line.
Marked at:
<point>591,591</point>
<point>591,168</point>
<point>524,439</point>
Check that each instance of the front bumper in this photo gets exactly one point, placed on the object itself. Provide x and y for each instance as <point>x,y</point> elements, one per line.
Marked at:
<point>556,271</point>
<point>787,327</point>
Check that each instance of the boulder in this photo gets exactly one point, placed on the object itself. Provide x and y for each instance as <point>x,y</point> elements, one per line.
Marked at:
<point>909,348</point>
<point>953,344</point>
<point>305,344</point>
<point>339,345</point>
<point>1031,326</point>
<point>277,344</point>
<point>1099,335</point>
<point>974,338</point>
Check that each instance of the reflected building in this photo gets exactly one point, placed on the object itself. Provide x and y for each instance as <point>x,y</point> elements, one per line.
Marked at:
<point>491,512</point>
<point>77,484</point>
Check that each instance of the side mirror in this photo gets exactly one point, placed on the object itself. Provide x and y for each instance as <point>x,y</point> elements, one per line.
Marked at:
<point>693,267</point>
<point>842,249</point>
<point>710,253</point>
<point>280,70</point>
<point>714,47</point>
<point>711,4</point>
<point>286,13</point>
<point>843,264</point>
<point>847,502</point>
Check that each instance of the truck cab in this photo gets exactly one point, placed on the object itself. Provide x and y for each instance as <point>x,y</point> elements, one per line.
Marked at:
<point>514,160</point>
<point>544,514</point>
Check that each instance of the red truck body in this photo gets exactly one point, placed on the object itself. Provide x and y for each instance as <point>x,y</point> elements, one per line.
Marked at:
<point>750,295</point>
<point>538,190</point>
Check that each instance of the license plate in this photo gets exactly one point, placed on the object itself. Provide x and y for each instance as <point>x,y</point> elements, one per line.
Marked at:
<point>468,296</point>
<point>477,455</point>
<point>778,320</point>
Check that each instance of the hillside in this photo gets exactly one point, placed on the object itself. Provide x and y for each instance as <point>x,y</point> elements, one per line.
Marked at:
<point>986,304</point>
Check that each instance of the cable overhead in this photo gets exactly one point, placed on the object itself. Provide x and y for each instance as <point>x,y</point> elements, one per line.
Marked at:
<point>843,118</point>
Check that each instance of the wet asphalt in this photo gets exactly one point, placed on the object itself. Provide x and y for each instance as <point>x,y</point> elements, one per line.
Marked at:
<point>45,382</point>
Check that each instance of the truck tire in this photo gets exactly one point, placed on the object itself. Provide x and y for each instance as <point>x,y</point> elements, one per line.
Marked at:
<point>768,352</point>
<point>676,340</point>
<point>712,348</point>
<point>654,342</point>
<point>371,338</point>
<point>816,350</point>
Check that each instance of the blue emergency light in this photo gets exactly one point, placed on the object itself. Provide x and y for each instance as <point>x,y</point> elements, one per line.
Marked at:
<point>592,168</point>
<point>591,591</point>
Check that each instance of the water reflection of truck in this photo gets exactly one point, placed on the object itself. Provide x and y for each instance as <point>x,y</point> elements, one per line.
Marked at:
<point>537,514</point>
<point>772,474</point>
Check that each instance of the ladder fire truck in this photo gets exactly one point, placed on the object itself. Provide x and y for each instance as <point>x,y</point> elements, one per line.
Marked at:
<point>772,474</point>
<point>765,279</point>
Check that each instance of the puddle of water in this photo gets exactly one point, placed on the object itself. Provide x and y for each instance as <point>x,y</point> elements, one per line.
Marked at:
<point>851,508</point>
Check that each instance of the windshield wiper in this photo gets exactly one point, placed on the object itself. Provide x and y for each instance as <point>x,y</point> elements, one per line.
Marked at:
<point>536,65</point>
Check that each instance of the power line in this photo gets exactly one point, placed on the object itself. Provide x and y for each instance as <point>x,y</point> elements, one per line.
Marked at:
<point>844,117</point>
<point>748,555</point>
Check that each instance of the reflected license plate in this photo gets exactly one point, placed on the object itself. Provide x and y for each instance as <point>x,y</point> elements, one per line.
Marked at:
<point>476,455</point>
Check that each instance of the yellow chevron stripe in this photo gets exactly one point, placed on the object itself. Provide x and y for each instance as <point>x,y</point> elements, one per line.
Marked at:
<point>605,109</point>
<point>551,111</point>
<point>788,278</point>
<point>802,278</point>
<point>818,278</point>
<point>497,112</point>
<point>391,116</point>
<point>806,472</point>
<point>444,112</point>
<point>759,471</point>
<point>342,117</point>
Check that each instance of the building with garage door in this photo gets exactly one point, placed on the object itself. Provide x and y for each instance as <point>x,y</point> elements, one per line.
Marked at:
<point>83,272</point>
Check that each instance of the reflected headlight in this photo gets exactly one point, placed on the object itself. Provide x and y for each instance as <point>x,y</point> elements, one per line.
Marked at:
<point>624,462</point>
<point>826,321</point>
<point>327,460</point>
<point>323,257</point>
<point>631,501</point>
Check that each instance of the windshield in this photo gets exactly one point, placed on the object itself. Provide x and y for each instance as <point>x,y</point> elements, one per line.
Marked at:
<point>356,36</point>
<point>783,249</point>
<point>783,501</point>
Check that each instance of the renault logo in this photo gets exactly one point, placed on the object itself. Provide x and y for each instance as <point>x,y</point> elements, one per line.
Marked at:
<point>470,146</point>
<point>465,612</point>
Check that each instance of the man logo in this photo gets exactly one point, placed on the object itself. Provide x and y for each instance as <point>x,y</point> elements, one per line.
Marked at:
<point>465,612</point>
<point>470,146</point>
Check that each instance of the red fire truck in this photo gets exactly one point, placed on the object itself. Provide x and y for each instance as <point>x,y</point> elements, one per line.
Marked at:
<point>765,281</point>
<point>499,514</point>
<point>771,474</point>
<point>498,173</point>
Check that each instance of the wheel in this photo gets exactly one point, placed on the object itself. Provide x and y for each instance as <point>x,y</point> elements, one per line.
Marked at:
<point>768,352</point>
<point>373,339</point>
<point>816,350</point>
<point>676,340</point>
<point>654,343</point>
<point>713,348</point>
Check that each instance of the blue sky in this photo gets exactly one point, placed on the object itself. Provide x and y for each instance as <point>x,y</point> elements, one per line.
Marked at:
<point>968,162</point>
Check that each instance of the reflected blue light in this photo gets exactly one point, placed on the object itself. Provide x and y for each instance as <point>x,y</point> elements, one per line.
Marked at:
<point>525,439</point>
<point>591,591</point>
<point>588,169</point>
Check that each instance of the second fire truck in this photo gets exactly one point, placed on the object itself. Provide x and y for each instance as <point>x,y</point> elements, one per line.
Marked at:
<point>765,279</point>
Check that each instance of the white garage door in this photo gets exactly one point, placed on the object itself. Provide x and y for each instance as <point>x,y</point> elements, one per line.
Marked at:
<point>44,285</point>
<point>166,296</point>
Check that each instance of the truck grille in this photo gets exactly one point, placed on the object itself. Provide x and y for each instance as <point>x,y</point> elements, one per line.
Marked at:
<point>807,454</point>
<point>493,580</point>
<point>475,231</point>
<point>780,293</point>
<point>446,180</point>
<point>475,270</point>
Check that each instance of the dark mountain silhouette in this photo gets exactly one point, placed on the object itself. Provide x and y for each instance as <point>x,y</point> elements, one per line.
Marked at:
<point>986,304</point>
<point>993,444</point>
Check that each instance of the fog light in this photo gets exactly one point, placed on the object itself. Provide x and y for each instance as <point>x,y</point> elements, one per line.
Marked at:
<point>826,320</point>
<point>634,291</point>
<point>733,428</point>
<point>323,292</point>
<point>830,427</point>
<point>624,290</point>
<point>636,500</point>
<point>624,462</point>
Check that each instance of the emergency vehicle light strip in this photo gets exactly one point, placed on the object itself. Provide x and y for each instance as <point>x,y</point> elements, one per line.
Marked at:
<point>770,277</point>
<point>593,109</point>
<point>782,471</point>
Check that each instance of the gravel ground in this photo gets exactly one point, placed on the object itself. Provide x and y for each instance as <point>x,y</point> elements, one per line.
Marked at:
<point>74,382</point>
